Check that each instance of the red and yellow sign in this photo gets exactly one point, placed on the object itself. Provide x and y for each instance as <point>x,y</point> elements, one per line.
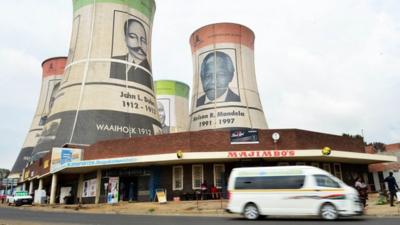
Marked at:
<point>262,154</point>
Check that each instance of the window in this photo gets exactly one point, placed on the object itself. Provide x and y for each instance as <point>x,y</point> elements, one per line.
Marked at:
<point>315,164</point>
<point>275,182</point>
<point>177,178</point>
<point>326,167</point>
<point>337,170</point>
<point>325,181</point>
<point>300,163</point>
<point>219,170</point>
<point>283,164</point>
<point>197,176</point>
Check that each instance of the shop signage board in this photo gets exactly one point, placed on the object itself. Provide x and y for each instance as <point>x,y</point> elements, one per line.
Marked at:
<point>261,154</point>
<point>244,137</point>
<point>62,156</point>
<point>161,195</point>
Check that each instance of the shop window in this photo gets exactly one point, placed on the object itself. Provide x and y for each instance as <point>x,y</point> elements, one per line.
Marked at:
<point>300,163</point>
<point>337,170</point>
<point>283,164</point>
<point>326,167</point>
<point>197,176</point>
<point>177,178</point>
<point>219,170</point>
<point>315,164</point>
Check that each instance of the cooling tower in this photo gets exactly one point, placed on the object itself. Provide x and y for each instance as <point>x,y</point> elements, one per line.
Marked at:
<point>173,105</point>
<point>107,91</point>
<point>225,93</point>
<point>53,70</point>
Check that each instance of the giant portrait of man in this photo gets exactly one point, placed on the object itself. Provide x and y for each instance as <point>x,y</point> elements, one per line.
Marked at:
<point>136,41</point>
<point>163,110</point>
<point>216,73</point>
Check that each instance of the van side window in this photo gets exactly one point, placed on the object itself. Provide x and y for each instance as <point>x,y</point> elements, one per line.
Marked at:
<point>325,181</point>
<point>275,182</point>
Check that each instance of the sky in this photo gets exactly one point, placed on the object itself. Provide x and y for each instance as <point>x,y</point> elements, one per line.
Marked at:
<point>321,65</point>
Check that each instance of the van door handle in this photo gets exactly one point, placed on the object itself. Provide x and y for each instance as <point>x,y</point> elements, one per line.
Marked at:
<point>317,190</point>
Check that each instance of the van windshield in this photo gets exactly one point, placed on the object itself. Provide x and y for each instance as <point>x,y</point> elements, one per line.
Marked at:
<point>273,182</point>
<point>325,181</point>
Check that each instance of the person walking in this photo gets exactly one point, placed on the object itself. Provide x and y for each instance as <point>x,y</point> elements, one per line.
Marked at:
<point>392,184</point>
<point>362,190</point>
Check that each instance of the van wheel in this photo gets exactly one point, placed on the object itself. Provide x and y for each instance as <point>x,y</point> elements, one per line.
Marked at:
<point>251,212</point>
<point>329,212</point>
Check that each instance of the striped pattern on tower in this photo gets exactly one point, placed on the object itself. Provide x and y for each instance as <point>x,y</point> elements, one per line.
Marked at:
<point>225,93</point>
<point>173,105</point>
<point>107,91</point>
<point>53,72</point>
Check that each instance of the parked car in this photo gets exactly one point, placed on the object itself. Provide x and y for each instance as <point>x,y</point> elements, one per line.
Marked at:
<point>290,191</point>
<point>20,198</point>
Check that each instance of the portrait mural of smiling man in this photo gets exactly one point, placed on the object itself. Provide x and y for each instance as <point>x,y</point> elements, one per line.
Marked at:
<point>216,73</point>
<point>225,93</point>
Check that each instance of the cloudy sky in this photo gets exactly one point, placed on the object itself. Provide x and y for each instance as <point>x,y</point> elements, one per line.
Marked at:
<point>327,66</point>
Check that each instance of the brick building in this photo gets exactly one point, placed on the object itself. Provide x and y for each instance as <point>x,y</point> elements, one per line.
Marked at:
<point>179,163</point>
<point>381,170</point>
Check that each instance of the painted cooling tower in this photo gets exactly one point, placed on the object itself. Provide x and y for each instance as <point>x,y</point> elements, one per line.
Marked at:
<point>53,72</point>
<point>173,105</point>
<point>107,91</point>
<point>225,93</point>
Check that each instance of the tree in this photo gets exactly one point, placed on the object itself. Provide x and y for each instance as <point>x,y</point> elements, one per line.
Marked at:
<point>4,173</point>
<point>378,147</point>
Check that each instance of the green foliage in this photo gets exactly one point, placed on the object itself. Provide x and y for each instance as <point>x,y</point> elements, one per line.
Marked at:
<point>4,173</point>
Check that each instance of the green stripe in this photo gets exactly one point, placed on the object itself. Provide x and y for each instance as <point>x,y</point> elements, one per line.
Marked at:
<point>147,7</point>
<point>171,87</point>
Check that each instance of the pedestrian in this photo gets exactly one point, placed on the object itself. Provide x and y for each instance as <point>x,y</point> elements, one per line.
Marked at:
<point>362,190</point>
<point>392,184</point>
<point>214,192</point>
<point>203,188</point>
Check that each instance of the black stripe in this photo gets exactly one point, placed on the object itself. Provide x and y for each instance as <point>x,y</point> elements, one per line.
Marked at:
<point>36,129</point>
<point>106,83</point>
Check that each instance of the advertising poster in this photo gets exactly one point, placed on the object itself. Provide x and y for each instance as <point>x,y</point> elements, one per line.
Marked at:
<point>107,92</point>
<point>244,137</point>
<point>60,156</point>
<point>173,105</point>
<point>225,93</point>
<point>89,188</point>
<point>113,190</point>
<point>65,192</point>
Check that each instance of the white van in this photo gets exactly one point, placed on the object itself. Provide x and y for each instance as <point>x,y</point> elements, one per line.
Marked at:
<point>290,190</point>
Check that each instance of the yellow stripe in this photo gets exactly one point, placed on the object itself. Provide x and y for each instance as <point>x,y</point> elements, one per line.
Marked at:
<point>289,190</point>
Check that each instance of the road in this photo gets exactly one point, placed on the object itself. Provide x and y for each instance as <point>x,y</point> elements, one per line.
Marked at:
<point>11,216</point>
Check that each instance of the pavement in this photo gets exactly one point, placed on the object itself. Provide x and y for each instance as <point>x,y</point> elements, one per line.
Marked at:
<point>187,208</point>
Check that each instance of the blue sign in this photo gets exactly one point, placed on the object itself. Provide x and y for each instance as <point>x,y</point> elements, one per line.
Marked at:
<point>66,156</point>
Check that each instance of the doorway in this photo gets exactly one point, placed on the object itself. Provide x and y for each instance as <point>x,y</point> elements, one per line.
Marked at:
<point>128,188</point>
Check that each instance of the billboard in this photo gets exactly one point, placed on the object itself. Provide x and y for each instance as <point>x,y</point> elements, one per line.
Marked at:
<point>244,137</point>
<point>61,156</point>
<point>225,93</point>
<point>173,105</point>
<point>52,74</point>
<point>107,91</point>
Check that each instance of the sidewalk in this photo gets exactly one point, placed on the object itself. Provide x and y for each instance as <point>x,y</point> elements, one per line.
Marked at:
<point>189,208</point>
